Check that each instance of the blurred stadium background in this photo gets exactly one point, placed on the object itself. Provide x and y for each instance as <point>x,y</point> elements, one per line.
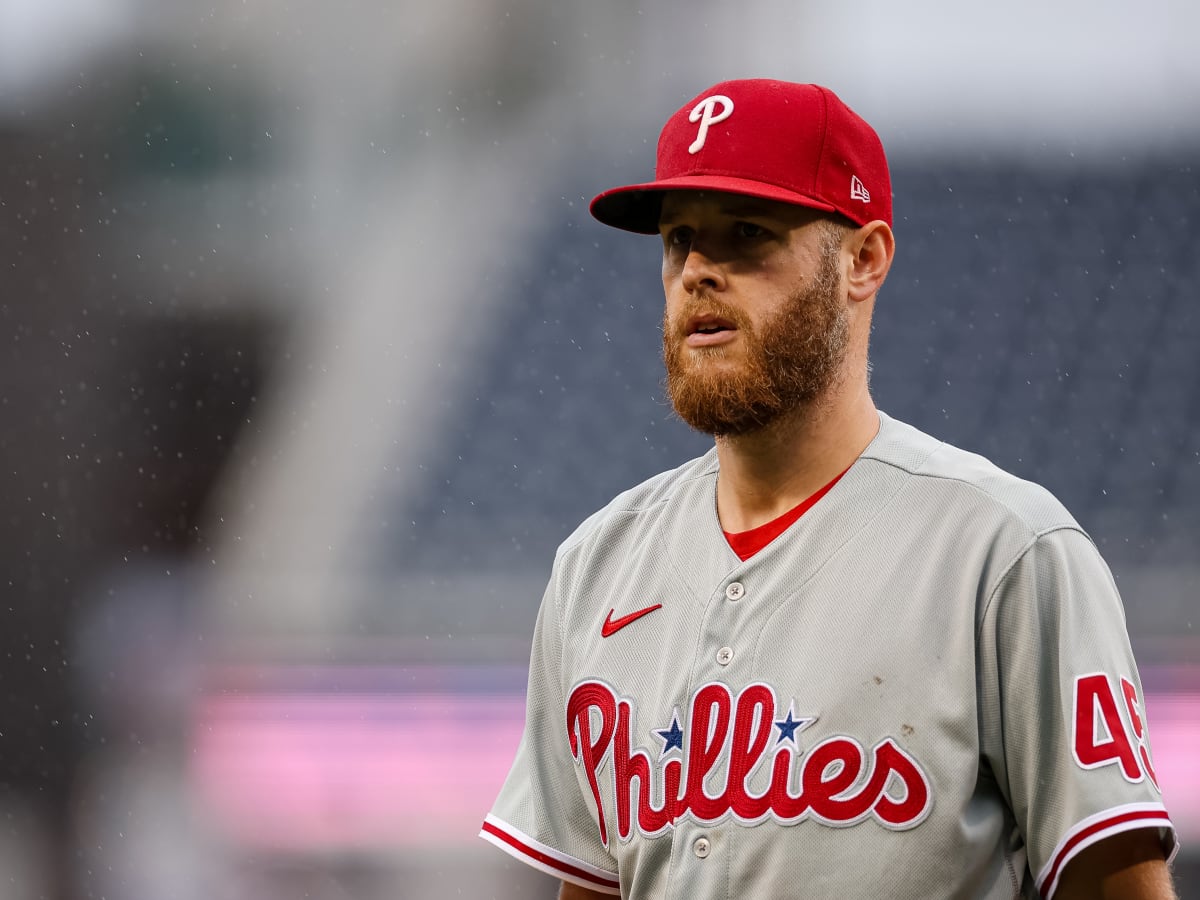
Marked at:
<point>313,355</point>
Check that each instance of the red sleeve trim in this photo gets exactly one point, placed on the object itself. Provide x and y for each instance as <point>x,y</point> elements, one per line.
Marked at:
<point>532,852</point>
<point>1096,828</point>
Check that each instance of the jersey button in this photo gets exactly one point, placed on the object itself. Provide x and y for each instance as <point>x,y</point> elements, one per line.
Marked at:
<point>724,655</point>
<point>701,847</point>
<point>736,591</point>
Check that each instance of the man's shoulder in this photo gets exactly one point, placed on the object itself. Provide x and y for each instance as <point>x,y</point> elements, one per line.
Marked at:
<point>941,471</point>
<point>653,493</point>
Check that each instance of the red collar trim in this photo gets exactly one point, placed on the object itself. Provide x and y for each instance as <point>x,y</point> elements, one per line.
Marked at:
<point>747,543</point>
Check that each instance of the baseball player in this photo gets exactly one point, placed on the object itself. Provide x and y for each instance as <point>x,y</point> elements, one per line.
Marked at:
<point>833,657</point>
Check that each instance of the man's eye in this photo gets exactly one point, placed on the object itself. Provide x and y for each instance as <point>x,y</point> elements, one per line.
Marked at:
<point>679,237</point>
<point>749,230</point>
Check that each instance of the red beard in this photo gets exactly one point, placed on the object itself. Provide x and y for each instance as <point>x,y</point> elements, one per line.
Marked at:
<point>788,361</point>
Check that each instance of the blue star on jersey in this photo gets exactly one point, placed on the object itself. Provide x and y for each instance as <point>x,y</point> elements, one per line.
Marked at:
<point>789,726</point>
<point>672,737</point>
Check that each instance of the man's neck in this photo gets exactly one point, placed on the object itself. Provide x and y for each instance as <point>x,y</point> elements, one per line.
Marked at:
<point>766,473</point>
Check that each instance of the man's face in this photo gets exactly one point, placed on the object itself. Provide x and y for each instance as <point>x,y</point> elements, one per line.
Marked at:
<point>756,325</point>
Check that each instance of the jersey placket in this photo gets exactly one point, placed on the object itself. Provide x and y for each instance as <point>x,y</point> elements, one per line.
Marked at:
<point>700,862</point>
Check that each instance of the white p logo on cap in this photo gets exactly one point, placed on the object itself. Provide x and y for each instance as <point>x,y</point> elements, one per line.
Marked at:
<point>704,113</point>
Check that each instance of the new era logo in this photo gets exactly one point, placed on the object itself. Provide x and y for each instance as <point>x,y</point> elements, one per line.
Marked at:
<point>858,190</point>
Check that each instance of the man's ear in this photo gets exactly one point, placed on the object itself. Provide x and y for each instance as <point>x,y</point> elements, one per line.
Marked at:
<point>871,250</point>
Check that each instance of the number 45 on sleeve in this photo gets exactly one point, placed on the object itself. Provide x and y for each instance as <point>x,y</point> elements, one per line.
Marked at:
<point>1102,736</point>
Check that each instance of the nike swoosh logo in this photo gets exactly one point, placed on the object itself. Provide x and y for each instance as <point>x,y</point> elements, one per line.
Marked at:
<point>611,626</point>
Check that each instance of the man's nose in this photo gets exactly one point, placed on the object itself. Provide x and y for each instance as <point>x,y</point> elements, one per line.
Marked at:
<point>702,272</point>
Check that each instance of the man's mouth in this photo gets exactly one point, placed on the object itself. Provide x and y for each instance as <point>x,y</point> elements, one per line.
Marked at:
<point>707,324</point>
<point>707,330</point>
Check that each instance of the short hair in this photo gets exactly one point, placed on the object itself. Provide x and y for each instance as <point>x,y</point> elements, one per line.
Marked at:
<point>833,230</point>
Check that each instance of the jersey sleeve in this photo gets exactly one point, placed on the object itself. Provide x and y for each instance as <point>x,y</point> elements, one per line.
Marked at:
<point>541,816</point>
<point>1062,715</point>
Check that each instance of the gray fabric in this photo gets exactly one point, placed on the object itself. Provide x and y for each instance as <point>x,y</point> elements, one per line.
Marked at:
<point>931,610</point>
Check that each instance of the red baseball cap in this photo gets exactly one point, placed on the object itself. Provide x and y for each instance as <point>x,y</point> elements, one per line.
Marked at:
<point>798,143</point>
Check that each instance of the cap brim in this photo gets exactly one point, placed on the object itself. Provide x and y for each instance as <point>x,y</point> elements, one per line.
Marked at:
<point>636,207</point>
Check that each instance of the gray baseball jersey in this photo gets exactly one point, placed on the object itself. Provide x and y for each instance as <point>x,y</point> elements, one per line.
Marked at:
<point>923,688</point>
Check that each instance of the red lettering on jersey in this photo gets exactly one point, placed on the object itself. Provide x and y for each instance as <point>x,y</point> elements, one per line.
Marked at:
<point>706,741</point>
<point>1095,704</point>
<point>889,757</point>
<point>829,771</point>
<point>585,698</point>
<point>752,727</point>
<point>838,783</point>
<point>631,764</point>
<point>1139,728</point>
